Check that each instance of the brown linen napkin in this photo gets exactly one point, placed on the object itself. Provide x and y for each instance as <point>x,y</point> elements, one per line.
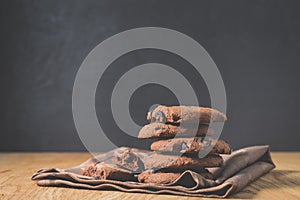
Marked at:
<point>240,168</point>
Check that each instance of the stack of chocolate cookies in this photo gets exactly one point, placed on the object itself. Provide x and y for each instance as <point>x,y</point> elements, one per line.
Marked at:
<point>181,131</point>
<point>179,136</point>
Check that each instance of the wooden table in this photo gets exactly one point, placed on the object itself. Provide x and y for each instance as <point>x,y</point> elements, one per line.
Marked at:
<point>17,168</point>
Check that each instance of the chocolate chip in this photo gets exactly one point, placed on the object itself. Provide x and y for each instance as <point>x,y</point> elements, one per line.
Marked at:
<point>175,117</point>
<point>206,142</point>
<point>184,146</point>
<point>160,117</point>
<point>102,175</point>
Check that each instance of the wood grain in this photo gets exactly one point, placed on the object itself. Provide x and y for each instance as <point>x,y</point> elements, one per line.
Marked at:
<point>17,168</point>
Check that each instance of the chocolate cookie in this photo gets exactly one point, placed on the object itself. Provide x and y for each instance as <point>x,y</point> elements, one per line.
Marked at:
<point>191,145</point>
<point>127,158</point>
<point>158,178</point>
<point>167,177</point>
<point>189,114</point>
<point>160,130</point>
<point>103,172</point>
<point>150,160</point>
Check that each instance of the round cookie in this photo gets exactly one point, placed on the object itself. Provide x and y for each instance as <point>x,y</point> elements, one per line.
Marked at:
<point>160,130</point>
<point>191,145</point>
<point>188,114</point>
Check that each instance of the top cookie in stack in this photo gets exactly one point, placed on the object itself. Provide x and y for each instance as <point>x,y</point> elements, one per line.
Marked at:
<point>188,114</point>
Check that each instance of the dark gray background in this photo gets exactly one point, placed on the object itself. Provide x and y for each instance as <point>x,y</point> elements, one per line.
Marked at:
<point>255,45</point>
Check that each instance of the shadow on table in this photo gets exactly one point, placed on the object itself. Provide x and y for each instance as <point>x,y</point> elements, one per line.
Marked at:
<point>274,179</point>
